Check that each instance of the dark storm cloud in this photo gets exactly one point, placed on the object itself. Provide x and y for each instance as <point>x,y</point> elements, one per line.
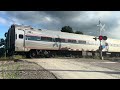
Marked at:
<point>84,21</point>
<point>64,15</point>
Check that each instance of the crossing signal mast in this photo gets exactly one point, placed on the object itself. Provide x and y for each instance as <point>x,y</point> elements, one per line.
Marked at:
<point>101,28</point>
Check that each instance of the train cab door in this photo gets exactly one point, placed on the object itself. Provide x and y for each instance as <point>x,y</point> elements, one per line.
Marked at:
<point>20,40</point>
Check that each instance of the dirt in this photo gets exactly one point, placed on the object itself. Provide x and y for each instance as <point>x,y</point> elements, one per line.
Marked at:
<point>23,70</point>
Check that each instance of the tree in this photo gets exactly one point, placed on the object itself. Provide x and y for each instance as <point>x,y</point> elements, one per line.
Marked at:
<point>2,49</point>
<point>2,41</point>
<point>67,29</point>
<point>78,32</point>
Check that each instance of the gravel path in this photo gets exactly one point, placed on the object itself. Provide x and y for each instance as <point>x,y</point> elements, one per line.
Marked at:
<point>23,70</point>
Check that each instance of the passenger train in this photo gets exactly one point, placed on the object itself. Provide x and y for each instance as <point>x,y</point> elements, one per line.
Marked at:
<point>33,43</point>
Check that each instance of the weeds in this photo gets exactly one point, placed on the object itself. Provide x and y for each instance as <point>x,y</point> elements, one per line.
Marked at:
<point>2,70</point>
<point>13,57</point>
<point>14,74</point>
<point>10,71</point>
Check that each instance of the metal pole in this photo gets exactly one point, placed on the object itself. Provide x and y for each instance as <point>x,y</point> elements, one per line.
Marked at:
<point>101,57</point>
<point>5,51</point>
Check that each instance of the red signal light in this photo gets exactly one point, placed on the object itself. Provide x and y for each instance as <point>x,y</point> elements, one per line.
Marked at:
<point>100,37</point>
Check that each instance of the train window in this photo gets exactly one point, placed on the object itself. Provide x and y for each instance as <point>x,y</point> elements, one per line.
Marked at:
<point>20,36</point>
<point>62,40</point>
<point>118,45</point>
<point>81,42</point>
<point>71,41</point>
<point>33,38</point>
<point>57,39</point>
<point>37,38</point>
<point>49,39</point>
<point>113,45</point>
<point>46,38</point>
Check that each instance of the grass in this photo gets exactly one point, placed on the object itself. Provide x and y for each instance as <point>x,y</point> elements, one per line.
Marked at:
<point>18,57</point>
<point>14,74</point>
<point>4,58</point>
<point>13,57</point>
<point>10,71</point>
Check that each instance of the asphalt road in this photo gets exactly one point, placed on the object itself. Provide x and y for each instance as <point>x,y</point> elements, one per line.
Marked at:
<point>80,68</point>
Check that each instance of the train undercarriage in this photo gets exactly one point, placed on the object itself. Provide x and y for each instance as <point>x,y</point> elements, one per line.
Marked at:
<point>52,53</point>
<point>62,53</point>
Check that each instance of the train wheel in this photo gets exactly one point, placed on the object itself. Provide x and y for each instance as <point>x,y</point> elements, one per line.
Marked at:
<point>33,54</point>
<point>47,54</point>
<point>27,55</point>
<point>117,55</point>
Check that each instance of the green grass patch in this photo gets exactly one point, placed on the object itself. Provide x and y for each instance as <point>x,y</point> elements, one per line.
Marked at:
<point>10,71</point>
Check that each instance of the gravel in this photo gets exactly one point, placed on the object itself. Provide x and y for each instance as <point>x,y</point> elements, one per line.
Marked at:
<point>23,70</point>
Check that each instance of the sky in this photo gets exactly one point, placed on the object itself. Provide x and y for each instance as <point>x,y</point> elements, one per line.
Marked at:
<point>84,21</point>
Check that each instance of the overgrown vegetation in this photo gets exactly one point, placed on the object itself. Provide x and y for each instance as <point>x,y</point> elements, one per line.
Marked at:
<point>12,57</point>
<point>9,71</point>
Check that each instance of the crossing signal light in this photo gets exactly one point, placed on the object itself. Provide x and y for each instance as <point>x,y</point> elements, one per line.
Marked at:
<point>102,37</point>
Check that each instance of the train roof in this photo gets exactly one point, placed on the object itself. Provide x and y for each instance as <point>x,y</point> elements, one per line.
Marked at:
<point>46,31</point>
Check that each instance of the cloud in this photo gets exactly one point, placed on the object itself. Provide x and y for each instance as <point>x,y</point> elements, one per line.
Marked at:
<point>3,21</point>
<point>85,21</point>
<point>114,33</point>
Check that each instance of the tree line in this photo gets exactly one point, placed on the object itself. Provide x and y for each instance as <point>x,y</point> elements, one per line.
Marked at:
<point>70,30</point>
